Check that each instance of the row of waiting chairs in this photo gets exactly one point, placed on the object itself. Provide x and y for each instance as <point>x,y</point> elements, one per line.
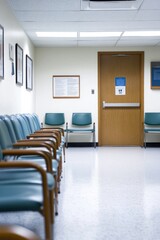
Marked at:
<point>80,123</point>
<point>30,167</point>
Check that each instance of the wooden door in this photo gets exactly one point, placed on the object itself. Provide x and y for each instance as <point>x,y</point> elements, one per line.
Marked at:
<point>120,98</point>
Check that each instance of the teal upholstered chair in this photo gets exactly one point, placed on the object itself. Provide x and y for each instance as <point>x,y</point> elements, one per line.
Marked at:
<point>81,123</point>
<point>49,164</point>
<point>54,119</point>
<point>15,232</point>
<point>46,133</point>
<point>24,187</point>
<point>43,132</point>
<point>57,120</point>
<point>151,124</point>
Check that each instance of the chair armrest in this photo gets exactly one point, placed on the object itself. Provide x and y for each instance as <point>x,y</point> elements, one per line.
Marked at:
<point>50,129</point>
<point>19,152</point>
<point>49,135</point>
<point>38,142</point>
<point>14,231</point>
<point>25,143</point>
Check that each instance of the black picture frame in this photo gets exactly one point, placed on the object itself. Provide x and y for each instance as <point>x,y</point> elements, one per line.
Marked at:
<point>1,52</point>
<point>29,73</point>
<point>19,64</point>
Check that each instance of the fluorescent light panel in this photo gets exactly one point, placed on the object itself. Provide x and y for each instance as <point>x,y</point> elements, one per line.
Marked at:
<point>57,34</point>
<point>74,34</point>
<point>100,34</point>
<point>141,34</point>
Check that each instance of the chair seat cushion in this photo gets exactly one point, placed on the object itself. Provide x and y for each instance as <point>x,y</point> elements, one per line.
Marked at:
<point>152,130</point>
<point>41,162</point>
<point>22,197</point>
<point>20,176</point>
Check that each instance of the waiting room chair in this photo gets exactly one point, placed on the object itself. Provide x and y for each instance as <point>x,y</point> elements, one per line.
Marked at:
<point>151,124</point>
<point>55,120</point>
<point>20,193</point>
<point>81,123</point>
<point>46,163</point>
<point>46,134</point>
<point>37,132</point>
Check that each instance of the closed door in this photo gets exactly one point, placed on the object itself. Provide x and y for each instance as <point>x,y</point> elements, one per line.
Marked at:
<point>120,98</point>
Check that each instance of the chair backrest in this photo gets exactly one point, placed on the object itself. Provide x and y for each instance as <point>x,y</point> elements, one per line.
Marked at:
<point>152,118</point>
<point>24,125</point>
<point>17,128</point>
<point>31,122</point>
<point>54,119</point>
<point>13,232</point>
<point>81,119</point>
<point>36,120</point>
<point>5,140</point>
<point>11,131</point>
<point>1,155</point>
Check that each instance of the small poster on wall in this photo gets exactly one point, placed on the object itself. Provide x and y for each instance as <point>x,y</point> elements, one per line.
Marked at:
<point>120,86</point>
<point>66,86</point>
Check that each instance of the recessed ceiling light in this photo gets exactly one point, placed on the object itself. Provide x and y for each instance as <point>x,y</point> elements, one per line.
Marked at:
<point>100,34</point>
<point>57,34</point>
<point>141,34</point>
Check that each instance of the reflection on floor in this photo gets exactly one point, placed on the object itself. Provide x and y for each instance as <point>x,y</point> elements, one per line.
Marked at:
<point>107,193</point>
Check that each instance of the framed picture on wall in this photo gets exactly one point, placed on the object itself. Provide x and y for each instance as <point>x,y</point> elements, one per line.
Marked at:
<point>1,52</point>
<point>29,73</point>
<point>155,75</point>
<point>19,64</point>
<point>66,86</point>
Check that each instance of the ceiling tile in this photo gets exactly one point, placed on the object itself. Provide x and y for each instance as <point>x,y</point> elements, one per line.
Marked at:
<point>66,15</point>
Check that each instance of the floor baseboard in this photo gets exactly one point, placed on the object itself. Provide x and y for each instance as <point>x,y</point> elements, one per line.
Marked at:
<point>81,144</point>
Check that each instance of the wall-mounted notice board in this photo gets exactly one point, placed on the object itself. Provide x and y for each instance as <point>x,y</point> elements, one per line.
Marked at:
<point>66,86</point>
<point>155,75</point>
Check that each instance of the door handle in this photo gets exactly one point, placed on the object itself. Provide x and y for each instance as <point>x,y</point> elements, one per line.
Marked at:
<point>112,105</point>
<point>103,104</point>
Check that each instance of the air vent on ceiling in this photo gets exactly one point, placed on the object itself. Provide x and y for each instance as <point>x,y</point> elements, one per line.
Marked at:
<point>111,0</point>
<point>110,4</point>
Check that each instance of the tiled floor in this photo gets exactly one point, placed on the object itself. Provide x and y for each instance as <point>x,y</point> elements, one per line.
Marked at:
<point>107,193</point>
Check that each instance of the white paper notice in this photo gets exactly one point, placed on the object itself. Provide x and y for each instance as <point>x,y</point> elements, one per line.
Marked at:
<point>66,86</point>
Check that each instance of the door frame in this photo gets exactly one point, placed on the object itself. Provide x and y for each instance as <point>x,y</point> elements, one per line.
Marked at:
<point>141,54</point>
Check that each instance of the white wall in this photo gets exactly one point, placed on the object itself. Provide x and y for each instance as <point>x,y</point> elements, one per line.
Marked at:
<point>58,61</point>
<point>14,98</point>
<point>83,62</point>
<point>66,61</point>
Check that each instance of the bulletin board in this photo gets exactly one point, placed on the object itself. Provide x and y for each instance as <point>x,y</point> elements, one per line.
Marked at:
<point>66,86</point>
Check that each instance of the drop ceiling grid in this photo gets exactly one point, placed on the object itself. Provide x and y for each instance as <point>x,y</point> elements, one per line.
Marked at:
<point>66,15</point>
